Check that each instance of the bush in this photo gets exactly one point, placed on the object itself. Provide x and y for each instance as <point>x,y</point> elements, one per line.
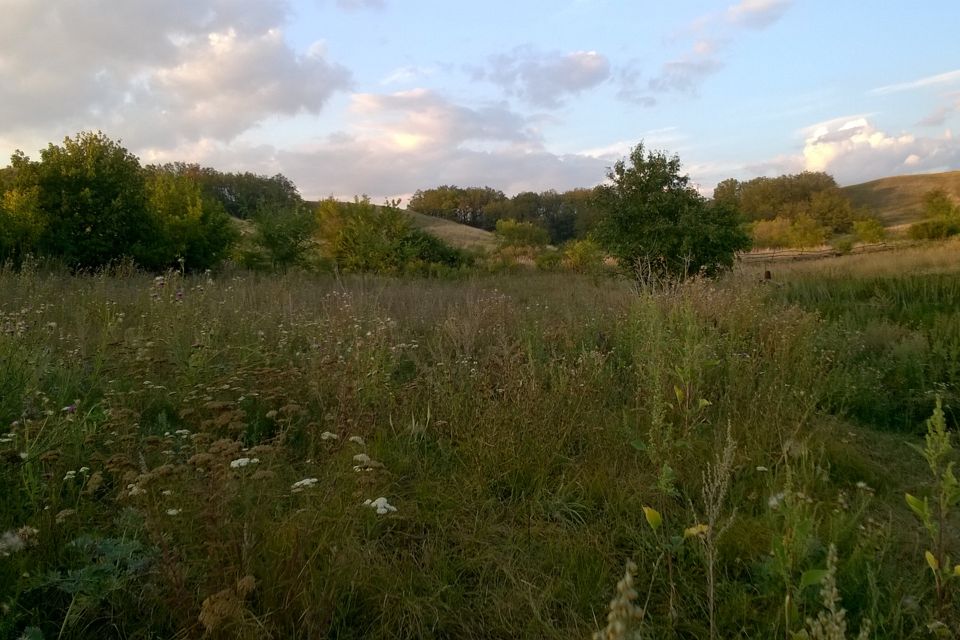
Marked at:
<point>191,229</point>
<point>284,233</point>
<point>869,230</point>
<point>772,234</point>
<point>521,234</point>
<point>585,256</point>
<point>937,229</point>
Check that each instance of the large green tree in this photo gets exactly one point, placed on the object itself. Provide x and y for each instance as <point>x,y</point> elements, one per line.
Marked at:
<point>655,223</point>
<point>92,194</point>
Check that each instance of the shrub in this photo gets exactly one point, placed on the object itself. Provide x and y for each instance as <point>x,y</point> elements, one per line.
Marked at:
<point>869,230</point>
<point>190,228</point>
<point>521,234</point>
<point>936,229</point>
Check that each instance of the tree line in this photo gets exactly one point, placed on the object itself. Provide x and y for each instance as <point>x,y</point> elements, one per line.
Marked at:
<point>88,203</point>
<point>564,216</point>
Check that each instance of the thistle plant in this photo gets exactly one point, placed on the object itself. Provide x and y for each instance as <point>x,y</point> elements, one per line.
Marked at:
<point>938,451</point>
<point>831,622</point>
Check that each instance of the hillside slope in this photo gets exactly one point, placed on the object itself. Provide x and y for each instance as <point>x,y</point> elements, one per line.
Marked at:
<point>898,200</point>
<point>454,233</point>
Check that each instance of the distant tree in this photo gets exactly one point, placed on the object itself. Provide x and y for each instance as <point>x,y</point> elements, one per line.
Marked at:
<point>728,192</point>
<point>192,229</point>
<point>284,233</point>
<point>464,205</point>
<point>869,230</point>
<point>92,195</point>
<point>832,209</point>
<point>655,221</point>
<point>521,234</point>
<point>938,204</point>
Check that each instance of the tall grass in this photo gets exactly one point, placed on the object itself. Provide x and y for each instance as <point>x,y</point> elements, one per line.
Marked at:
<point>197,456</point>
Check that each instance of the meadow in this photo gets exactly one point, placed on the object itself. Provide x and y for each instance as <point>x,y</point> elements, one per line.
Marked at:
<point>241,455</point>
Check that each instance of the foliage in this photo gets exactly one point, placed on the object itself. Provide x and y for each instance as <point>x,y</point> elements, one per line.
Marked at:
<point>943,217</point>
<point>583,256</point>
<point>92,195</point>
<point>565,216</point>
<point>366,238</point>
<point>938,204</point>
<point>869,230</point>
<point>808,194</point>
<point>523,234</point>
<point>21,223</point>
<point>463,205</point>
<point>939,454</point>
<point>936,229</point>
<point>192,230</point>
<point>284,234</point>
<point>654,219</point>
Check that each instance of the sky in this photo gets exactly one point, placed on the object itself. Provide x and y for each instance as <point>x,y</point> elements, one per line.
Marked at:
<point>384,97</point>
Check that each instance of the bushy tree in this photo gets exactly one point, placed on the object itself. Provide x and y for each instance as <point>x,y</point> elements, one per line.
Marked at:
<point>92,196</point>
<point>284,233</point>
<point>938,204</point>
<point>658,224</point>
<point>521,234</point>
<point>191,229</point>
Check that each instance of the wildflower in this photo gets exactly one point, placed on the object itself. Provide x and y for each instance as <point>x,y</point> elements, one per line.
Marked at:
<point>242,462</point>
<point>271,414</point>
<point>326,435</point>
<point>762,469</point>
<point>381,505</point>
<point>300,485</point>
<point>84,470</point>
<point>863,486</point>
<point>183,433</point>
<point>361,459</point>
<point>358,440</point>
<point>71,408</point>
<point>174,512</point>
<point>166,492</point>
<point>134,490</point>
<point>774,501</point>
<point>69,475</point>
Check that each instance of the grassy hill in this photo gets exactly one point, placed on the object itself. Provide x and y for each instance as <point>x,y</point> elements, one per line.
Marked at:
<point>453,233</point>
<point>898,200</point>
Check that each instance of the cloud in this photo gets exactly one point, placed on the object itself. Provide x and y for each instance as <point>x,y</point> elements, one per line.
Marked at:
<point>155,69</point>
<point>757,14</point>
<point>685,75</point>
<point>420,120</point>
<point>856,150</point>
<point>714,34</point>
<point>929,81</point>
<point>940,115</point>
<point>546,79</point>
<point>405,141</point>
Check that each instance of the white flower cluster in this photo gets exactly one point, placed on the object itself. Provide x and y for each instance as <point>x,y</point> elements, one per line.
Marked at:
<point>239,463</point>
<point>300,485</point>
<point>381,504</point>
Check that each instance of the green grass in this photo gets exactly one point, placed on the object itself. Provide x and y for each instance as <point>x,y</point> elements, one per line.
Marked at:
<point>517,423</point>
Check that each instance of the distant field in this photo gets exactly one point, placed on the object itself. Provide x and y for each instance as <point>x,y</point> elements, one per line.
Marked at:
<point>898,200</point>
